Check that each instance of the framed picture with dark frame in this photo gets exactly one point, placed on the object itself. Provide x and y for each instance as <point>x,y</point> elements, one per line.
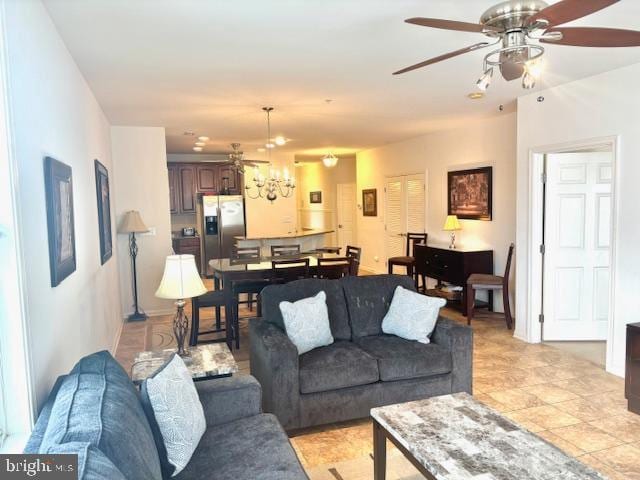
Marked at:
<point>370,202</point>
<point>104,211</point>
<point>315,197</point>
<point>60,223</point>
<point>469,193</point>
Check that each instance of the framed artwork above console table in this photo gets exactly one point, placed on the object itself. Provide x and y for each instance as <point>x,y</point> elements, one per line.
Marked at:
<point>469,193</point>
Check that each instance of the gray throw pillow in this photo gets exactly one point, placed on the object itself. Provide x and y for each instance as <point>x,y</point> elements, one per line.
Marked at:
<point>307,322</point>
<point>412,316</point>
<point>176,413</point>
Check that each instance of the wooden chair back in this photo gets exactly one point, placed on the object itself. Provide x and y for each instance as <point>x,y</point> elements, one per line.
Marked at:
<point>245,252</point>
<point>507,269</point>
<point>284,250</point>
<point>334,268</point>
<point>283,271</point>
<point>412,240</point>
<point>355,253</point>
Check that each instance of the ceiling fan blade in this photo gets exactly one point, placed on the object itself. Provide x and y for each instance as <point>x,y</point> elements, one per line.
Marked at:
<point>443,57</point>
<point>595,37</point>
<point>451,25</point>
<point>567,10</point>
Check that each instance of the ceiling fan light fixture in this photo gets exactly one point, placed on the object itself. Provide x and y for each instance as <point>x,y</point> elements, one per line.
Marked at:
<point>535,68</point>
<point>528,81</point>
<point>330,160</point>
<point>485,80</point>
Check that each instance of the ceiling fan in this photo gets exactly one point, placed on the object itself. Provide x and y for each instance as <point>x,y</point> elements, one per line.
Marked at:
<point>513,24</point>
<point>238,162</point>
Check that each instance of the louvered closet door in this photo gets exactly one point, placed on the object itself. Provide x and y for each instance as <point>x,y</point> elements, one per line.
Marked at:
<point>395,216</point>
<point>415,203</point>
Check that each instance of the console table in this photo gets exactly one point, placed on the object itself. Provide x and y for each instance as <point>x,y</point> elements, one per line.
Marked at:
<point>453,266</point>
<point>632,377</point>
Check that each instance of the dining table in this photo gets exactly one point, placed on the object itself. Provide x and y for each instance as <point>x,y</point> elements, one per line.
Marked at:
<point>227,270</point>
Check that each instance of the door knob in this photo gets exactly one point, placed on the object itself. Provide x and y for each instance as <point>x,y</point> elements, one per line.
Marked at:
<point>339,226</point>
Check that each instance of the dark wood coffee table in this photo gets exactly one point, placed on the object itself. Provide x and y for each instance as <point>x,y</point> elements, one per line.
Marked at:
<point>455,437</point>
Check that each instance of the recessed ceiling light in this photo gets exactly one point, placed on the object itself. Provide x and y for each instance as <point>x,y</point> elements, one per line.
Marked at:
<point>197,149</point>
<point>189,133</point>
<point>269,145</point>
<point>476,95</point>
<point>200,144</point>
<point>261,149</point>
<point>279,140</point>
<point>203,139</point>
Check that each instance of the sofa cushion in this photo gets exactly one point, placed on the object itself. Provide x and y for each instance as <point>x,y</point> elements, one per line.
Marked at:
<point>251,448</point>
<point>339,365</point>
<point>35,439</point>
<point>368,299</point>
<point>299,289</point>
<point>97,404</point>
<point>400,359</point>
<point>92,463</point>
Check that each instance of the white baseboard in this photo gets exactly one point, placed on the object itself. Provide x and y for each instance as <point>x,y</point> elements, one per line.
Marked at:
<point>116,339</point>
<point>375,270</point>
<point>154,313</point>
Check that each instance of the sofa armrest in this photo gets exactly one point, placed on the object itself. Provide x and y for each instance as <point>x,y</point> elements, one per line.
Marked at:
<point>459,339</point>
<point>274,362</point>
<point>227,399</point>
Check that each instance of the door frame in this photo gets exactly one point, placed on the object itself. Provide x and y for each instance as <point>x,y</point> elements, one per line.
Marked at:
<point>535,234</point>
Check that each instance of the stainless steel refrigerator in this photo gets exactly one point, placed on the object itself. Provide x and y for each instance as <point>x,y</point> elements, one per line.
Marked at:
<point>221,219</point>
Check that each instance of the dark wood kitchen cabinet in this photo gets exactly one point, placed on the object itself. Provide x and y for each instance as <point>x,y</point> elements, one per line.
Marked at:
<point>188,246</point>
<point>229,181</point>
<point>187,183</point>
<point>207,176</point>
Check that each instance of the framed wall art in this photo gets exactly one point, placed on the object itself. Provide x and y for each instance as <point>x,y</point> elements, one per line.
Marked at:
<point>370,202</point>
<point>104,211</point>
<point>60,223</point>
<point>315,197</point>
<point>470,193</point>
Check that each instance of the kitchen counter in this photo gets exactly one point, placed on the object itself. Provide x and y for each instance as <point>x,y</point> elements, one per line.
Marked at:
<point>302,234</point>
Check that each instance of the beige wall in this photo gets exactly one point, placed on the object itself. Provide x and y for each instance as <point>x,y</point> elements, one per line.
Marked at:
<point>142,183</point>
<point>600,106</point>
<point>54,113</point>
<point>313,176</point>
<point>481,143</point>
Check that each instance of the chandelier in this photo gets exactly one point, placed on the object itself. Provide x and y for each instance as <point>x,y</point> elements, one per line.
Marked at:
<point>275,184</point>
<point>330,160</point>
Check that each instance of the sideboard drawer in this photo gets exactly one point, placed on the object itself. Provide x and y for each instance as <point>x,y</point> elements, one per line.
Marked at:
<point>443,264</point>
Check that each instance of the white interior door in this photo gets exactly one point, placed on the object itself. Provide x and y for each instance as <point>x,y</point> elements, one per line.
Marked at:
<point>346,214</point>
<point>395,216</point>
<point>578,232</point>
<point>405,205</point>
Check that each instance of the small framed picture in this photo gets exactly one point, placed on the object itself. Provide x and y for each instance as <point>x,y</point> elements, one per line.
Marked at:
<point>104,211</point>
<point>315,197</point>
<point>470,193</point>
<point>60,226</point>
<point>370,202</point>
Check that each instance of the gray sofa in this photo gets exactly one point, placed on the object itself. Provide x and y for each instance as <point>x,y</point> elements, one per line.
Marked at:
<point>95,411</point>
<point>363,368</point>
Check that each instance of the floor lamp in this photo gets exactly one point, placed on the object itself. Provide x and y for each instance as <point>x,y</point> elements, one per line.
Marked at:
<point>131,225</point>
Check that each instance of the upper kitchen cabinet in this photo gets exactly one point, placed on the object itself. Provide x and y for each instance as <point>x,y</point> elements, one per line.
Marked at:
<point>229,180</point>
<point>187,184</point>
<point>207,177</point>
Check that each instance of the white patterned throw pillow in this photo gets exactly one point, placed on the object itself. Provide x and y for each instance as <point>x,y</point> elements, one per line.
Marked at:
<point>412,316</point>
<point>307,322</point>
<point>177,410</point>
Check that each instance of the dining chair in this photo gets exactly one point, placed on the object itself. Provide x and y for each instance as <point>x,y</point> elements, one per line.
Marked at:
<point>408,261</point>
<point>284,271</point>
<point>492,283</point>
<point>246,253</point>
<point>355,253</point>
<point>334,268</point>
<point>214,298</point>
<point>335,250</point>
<point>284,250</point>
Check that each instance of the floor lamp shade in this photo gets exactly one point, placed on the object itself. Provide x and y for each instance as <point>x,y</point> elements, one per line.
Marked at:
<point>132,223</point>
<point>181,279</point>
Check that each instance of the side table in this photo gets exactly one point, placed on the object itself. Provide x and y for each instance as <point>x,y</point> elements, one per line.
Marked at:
<point>206,361</point>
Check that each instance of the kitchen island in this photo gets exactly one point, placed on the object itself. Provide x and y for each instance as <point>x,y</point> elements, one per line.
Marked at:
<point>308,239</point>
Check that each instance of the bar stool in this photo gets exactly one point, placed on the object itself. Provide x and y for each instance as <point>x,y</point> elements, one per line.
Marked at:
<point>215,299</point>
<point>409,260</point>
<point>285,250</point>
<point>334,268</point>
<point>355,253</point>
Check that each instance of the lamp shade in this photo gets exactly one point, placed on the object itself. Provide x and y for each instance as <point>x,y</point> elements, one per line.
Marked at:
<point>452,223</point>
<point>181,279</point>
<point>132,223</point>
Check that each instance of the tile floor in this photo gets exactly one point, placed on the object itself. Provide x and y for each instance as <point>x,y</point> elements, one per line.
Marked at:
<point>567,400</point>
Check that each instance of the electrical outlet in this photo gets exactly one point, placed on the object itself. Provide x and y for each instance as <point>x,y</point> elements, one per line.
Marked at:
<point>151,232</point>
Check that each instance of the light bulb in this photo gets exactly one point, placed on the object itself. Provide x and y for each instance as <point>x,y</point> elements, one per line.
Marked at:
<point>528,81</point>
<point>279,140</point>
<point>535,68</point>
<point>485,80</point>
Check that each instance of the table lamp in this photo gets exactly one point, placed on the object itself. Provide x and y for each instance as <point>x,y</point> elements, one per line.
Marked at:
<point>180,280</point>
<point>451,224</point>
<point>132,224</point>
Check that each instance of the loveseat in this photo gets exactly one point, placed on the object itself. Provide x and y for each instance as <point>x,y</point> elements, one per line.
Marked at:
<point>95,411</point>
<point>363,368</point>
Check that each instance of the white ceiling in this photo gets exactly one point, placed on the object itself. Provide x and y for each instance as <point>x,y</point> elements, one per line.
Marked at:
<point>209,66</point>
